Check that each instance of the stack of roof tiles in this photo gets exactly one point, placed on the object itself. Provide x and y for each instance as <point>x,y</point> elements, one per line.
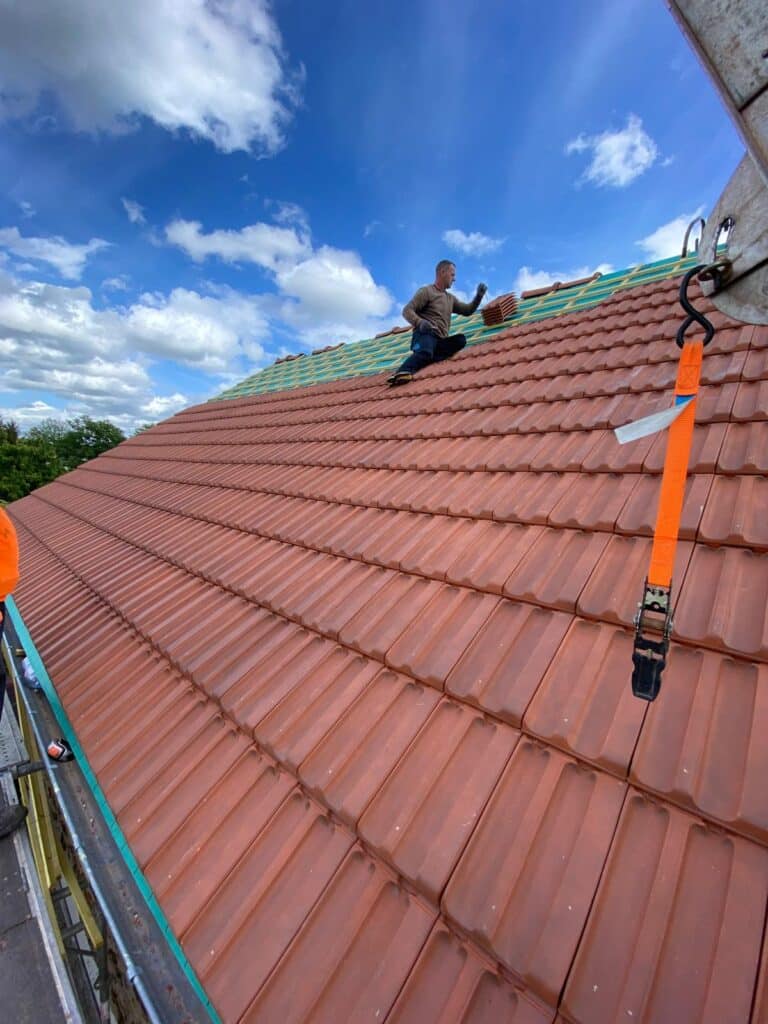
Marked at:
<point>352,667</point>
<point>500,309</point>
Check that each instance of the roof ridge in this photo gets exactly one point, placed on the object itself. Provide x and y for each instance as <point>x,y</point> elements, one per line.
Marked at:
<point>372,355</point>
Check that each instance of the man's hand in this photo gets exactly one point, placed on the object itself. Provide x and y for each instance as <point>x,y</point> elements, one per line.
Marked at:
<point>425,327</point>
<point>481,290</point>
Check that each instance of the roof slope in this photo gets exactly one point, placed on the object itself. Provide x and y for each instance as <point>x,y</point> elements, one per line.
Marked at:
<point>352,667</point>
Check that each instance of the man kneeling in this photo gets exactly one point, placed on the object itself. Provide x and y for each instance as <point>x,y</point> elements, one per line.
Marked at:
<point>429,312</point>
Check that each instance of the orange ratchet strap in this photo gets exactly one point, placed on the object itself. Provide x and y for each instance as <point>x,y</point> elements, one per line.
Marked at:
<point>654,613</point>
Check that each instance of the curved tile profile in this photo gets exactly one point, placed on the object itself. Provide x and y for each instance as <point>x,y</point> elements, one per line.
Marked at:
<point>677,925</point>
<point>703,741</point>
<point>525,883</point>
<point>584,704</point>
<point>451,984</point>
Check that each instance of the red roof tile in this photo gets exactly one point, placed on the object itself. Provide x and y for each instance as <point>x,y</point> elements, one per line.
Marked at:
<point>353,954</point>
<point>451,984</point>
<point>525,883</point>
<point>349,765</point>
<point>240,583</point>
<point>503,666</point>
<point>427,809</point>
<point>583,704</point>
<point>676,928</point>
<point>703,743</point>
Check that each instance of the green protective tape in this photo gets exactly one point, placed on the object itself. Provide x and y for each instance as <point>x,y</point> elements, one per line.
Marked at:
<point>117,833</point>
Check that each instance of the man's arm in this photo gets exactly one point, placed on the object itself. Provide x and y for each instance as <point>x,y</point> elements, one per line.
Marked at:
<point>468,308</point>
<point>412,311</point>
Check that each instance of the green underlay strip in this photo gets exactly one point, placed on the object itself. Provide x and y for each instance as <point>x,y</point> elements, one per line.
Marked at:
<point>117,834</point>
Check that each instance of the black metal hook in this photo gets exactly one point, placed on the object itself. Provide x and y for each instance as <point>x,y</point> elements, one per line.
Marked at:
<point>694,316</point>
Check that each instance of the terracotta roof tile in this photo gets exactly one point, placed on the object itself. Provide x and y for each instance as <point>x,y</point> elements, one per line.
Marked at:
<point>556,569</point>
<point>743,449</point>
<point>484,553</point>
<point>724,602</point>
<point>451,984</point>
<point>354,759</point>
<point>638,516</point>
<point>589,713</point>
<point>525,883</point>
<point>263,902</point>
<point>737,512</point>
<point>424,814</point>
<point>299,722</point>
<point>705,449</point>
<point>593,501</point>
<point>387,614</point>
<point>676,901</point>
<point>439,633</point>
<point>615,586</point>
<point>191,862</point>
<point>353,954</point>
<point>503,666</point>
<point>702,745</point>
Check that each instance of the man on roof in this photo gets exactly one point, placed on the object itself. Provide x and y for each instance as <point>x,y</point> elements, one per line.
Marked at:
<point>429,313</point>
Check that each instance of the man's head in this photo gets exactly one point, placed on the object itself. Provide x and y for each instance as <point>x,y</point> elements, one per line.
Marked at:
<point>445,274</point>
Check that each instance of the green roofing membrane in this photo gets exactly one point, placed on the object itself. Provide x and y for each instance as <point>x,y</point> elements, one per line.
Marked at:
<point>375,355</point>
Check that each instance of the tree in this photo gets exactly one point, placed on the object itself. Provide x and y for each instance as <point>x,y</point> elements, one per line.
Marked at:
<point>86,438</point>
<point>25,466</point>
<point>9,431</point>
<point>48,450</point>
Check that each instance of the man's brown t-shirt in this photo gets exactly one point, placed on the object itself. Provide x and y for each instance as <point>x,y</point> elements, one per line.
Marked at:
<point>435,306</point>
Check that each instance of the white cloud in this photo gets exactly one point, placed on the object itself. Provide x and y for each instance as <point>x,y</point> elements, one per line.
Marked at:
<point>68,259</point>
<point>369,228</point>
<point>207,332</point>
<point>325,293</point>
<point>528,279</point>
<point>26,416</point>
<point>266,245</point>
<point>27,209</point>
<point>54,342</point>
<point>134,210</point>
<point>667,240</point>
<point>472,244</point>
<point>217,70</point>
<point>288,213</point>
<point>617,157</point>
<point>115,284</point>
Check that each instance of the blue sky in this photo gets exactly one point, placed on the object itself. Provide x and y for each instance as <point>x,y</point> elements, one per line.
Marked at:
<point>189,190</point>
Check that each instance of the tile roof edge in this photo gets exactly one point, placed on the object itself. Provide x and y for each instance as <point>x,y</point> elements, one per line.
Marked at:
<point>121,843</point>
<point>368,356</point>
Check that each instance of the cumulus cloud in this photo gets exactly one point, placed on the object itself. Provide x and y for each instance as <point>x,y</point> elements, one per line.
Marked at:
<point>472,244</point>
<point>617,157</point>
<point>204,331</point>
<point>667,240</point>
<point>528,279</point>
<point>134,210</point>
<point>266,245</point>
<point>216,70</point>
<point>324,293</point>
<point>67,258</point>
<point>53,341</point>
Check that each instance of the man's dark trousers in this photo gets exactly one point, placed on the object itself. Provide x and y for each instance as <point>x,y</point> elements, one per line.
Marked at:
<point>427,348</point>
